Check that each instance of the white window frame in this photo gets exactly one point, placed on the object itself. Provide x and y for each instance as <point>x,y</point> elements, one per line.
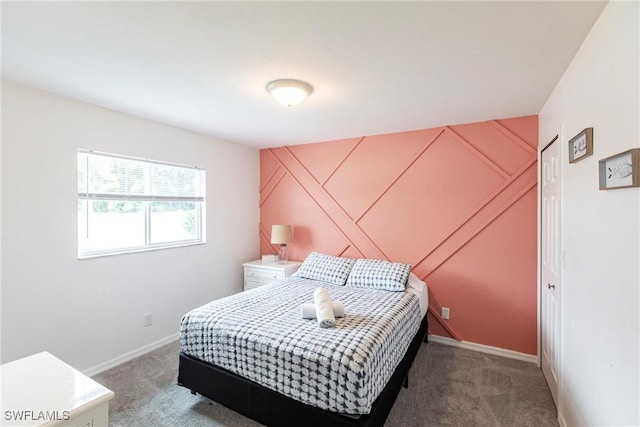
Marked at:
<point>147,198</point>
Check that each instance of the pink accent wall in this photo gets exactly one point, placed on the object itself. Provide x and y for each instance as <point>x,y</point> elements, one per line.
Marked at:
<point>458,203</point>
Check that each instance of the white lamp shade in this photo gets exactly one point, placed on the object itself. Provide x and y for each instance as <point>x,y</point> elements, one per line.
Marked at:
<point>281,234</point>
<point>289,92</point>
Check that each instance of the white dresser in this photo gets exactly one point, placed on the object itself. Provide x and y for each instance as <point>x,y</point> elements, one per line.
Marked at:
<point>258,273</point>
<point>42,390</point>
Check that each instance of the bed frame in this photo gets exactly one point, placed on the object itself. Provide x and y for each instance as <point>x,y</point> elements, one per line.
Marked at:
<point>271,408</point>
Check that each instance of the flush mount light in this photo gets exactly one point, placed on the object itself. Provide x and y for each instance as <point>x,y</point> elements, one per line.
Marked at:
<point>289,92</point>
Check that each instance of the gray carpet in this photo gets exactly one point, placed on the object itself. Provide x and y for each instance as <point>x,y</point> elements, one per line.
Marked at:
<point>447,387</point>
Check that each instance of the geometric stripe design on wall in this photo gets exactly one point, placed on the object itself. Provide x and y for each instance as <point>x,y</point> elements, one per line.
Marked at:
<point>457,202</point>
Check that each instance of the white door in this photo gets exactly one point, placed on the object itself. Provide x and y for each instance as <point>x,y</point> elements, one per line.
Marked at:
<point>550,257</point>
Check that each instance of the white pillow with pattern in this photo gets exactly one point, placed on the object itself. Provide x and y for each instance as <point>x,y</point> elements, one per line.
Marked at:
<point>326,268</point>
<point>379,274</point>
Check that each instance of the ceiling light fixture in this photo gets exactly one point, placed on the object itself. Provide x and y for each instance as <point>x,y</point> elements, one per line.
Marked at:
<point>289,92</point>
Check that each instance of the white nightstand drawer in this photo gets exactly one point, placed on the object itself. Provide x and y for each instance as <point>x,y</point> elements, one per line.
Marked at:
<point>259,273</point>
<point>263,274</point>
<point>250,284</point>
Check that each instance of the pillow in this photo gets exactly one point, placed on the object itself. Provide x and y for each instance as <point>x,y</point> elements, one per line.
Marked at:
<point>326,268</point>
<point>379,274</point>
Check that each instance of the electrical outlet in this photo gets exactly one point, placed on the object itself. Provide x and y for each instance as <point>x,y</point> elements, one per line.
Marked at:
<point>148,319</point>
<point>445,313</point>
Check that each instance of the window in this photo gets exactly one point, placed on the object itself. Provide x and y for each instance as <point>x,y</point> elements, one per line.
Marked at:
<point>127,204</point>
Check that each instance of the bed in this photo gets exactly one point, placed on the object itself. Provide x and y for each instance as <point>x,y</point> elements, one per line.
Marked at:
<point>253,352</point>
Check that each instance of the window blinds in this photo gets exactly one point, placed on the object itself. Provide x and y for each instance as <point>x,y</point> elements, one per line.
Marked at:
<point>104,176</point>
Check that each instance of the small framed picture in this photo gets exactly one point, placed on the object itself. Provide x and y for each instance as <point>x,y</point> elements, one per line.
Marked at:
<point>581,145</point>
<point>621,170</point>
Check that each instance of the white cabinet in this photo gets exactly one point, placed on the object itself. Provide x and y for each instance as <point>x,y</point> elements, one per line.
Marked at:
<point>41,390</point>
<point>258,273</point>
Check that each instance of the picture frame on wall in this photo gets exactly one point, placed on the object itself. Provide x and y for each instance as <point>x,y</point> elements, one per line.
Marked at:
<point>621,170</point>
<point>581,145</point>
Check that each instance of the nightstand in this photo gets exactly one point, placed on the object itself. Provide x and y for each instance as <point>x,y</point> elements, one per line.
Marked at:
<point>258,273</point>
<point>43,390</point>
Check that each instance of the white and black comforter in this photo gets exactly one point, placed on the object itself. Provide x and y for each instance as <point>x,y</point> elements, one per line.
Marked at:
<point>260,335</point>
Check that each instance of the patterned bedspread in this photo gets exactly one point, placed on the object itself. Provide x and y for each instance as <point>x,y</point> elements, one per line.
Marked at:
<point>260,335</point>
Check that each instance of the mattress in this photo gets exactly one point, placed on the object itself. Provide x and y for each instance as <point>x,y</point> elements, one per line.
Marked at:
<point>260,335</point>
<point>419,288</point>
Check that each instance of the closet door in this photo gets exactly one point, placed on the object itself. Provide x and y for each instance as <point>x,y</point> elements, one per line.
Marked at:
<point>550,265</point>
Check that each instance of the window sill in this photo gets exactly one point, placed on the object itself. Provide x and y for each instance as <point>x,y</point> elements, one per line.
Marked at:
<point>137,250</point>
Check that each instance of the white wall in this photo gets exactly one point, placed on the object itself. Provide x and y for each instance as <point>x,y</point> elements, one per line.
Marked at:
<point>88,312</point>
<point>600,345</point>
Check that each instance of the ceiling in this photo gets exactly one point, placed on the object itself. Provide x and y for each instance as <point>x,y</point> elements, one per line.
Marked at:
<point>376,67</point>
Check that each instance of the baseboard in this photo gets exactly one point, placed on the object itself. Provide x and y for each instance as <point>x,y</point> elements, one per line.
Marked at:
<point>496,351</point>
<point>129,356</point>
<point>432,338</point>
<point>562,421</point>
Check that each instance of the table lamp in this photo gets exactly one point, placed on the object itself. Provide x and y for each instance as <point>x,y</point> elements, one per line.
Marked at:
<point>281,235</point>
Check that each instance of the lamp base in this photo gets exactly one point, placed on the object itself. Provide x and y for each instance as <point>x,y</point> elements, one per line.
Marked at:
<point>283,255</point>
